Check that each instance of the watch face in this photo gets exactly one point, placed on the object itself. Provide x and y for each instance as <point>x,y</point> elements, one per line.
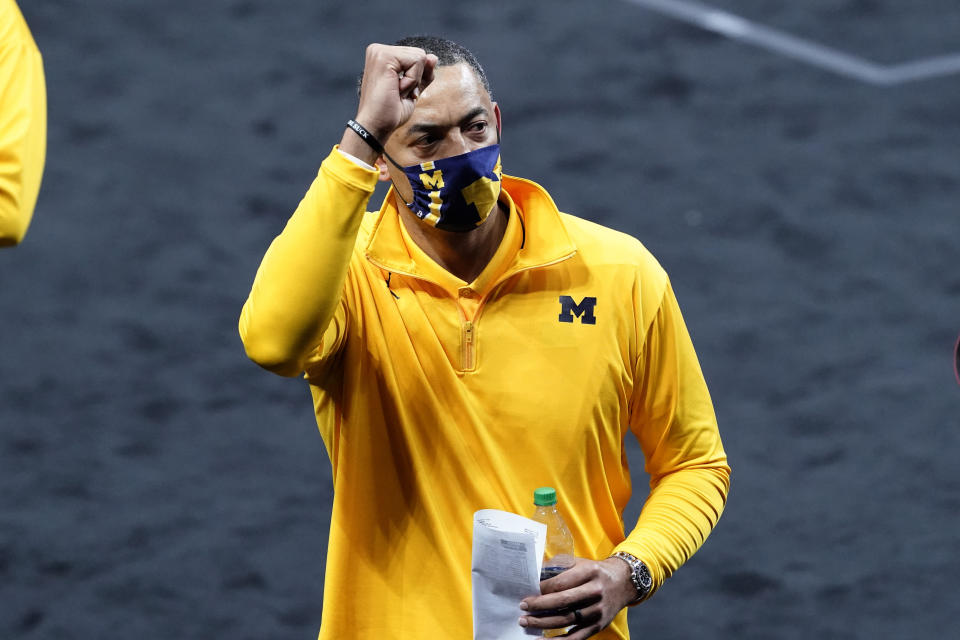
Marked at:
<point>643,575</point>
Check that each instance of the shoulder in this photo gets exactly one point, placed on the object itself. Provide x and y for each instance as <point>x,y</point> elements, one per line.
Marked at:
<point>599,245</point>
<point>622,262</point>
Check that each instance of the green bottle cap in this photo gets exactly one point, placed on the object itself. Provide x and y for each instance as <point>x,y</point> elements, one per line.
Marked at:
<point>545,496</point>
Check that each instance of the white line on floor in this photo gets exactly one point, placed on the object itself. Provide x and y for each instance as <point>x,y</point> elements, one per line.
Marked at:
<point>818,55</point>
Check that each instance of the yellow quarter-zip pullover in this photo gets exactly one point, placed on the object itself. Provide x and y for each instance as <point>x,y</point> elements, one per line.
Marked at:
<point>23,124</point>
<point>437,397</point>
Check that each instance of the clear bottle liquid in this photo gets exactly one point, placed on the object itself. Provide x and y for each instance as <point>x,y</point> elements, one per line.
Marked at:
<point>558,553</point>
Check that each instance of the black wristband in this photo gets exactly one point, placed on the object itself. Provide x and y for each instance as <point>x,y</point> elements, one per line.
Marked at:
<point>366,135</point>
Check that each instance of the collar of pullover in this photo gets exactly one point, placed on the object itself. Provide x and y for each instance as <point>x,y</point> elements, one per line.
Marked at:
<point>535,237</point>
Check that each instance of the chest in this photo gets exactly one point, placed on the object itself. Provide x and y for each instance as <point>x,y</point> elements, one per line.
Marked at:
<point>554,348</point>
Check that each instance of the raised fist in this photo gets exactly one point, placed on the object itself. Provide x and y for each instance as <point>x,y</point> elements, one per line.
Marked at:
<point>393,78</point>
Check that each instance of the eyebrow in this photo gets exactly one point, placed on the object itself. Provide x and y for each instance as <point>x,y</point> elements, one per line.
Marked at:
<point>426,127</point>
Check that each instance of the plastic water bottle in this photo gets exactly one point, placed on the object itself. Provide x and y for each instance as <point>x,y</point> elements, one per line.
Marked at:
<point>558,553</point>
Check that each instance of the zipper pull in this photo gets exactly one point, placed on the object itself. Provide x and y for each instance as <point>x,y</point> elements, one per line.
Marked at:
<point>467,345</point>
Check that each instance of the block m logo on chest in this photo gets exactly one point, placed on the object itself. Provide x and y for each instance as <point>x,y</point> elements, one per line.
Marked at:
<point>584,310</point>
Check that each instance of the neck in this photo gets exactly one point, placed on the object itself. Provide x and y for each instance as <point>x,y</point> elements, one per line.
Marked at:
<point>465,255</point>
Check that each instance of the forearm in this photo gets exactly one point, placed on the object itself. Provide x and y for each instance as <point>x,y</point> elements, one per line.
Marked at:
<point>674,421</point>
<point>681,511</point>
<point>299,282</point>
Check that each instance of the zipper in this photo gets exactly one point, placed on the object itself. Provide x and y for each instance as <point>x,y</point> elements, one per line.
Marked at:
<point>469,347</point>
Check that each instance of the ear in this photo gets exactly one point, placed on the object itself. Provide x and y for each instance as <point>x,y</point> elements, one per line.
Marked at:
<point>382,168</point>
<point>499,117</point>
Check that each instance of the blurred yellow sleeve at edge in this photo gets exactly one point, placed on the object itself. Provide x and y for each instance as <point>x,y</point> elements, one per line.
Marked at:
<point>23,124</point>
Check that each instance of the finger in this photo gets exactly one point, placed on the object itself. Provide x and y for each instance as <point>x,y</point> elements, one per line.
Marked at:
<point>415,70</point>
<point>590,623</point>
<point>547,622</point>
<point>556,584</point>
<point>411,80</point>
<point>429,64</point>
<point>564,619</point>
<point>407,84</point>
<point>569,599</point>
<point>572,577</point>
<point>407,58</point>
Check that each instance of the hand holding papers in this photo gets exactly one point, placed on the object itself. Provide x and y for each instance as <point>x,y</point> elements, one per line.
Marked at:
<point>507,554</point>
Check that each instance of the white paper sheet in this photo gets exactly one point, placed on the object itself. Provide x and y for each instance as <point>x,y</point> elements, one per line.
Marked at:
<point>507,554</point>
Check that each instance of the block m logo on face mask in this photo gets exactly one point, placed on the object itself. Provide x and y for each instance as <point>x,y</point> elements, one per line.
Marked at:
<point>584,310</point>
<point>432,181</point>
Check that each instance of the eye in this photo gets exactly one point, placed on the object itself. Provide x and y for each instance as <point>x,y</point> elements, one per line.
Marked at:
<point>477,127</point>
<point>426,140</point>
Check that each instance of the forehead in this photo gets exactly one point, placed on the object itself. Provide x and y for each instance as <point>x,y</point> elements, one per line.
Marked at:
<point>455,90</point>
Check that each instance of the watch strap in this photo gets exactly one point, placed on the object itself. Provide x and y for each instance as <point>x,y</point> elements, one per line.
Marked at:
<point>639,574</point>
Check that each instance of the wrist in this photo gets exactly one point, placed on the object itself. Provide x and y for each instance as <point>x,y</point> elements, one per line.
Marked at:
<point>639,575</point>
<point>364,138</point>
<point>374,126</point>
<point>354,145</point>
<point>619,572</point>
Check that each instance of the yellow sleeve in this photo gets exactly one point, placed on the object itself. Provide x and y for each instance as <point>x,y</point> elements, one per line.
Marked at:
<point>298,286</point>
<point>23,124</point>
<point>672,416</point>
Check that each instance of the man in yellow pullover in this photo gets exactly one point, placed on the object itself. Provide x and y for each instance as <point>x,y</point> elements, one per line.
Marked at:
<point>467,344</point>
<point>23,124</point>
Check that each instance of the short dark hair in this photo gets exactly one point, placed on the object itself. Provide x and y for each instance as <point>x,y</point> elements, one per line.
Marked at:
<point>448,53</point>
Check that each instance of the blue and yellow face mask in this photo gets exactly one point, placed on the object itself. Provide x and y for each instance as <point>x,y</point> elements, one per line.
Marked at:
<point>455,193</point>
